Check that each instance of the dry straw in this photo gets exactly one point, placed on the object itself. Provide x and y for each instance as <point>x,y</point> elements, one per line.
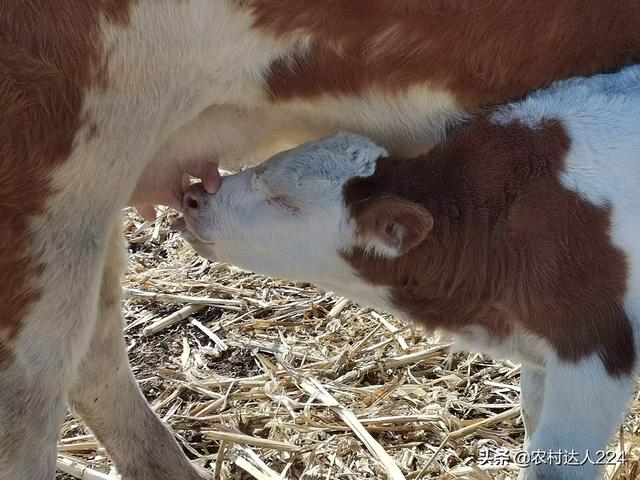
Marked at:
<point>264,379</point>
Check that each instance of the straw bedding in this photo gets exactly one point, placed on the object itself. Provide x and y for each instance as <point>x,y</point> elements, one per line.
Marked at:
<point>265,379</point>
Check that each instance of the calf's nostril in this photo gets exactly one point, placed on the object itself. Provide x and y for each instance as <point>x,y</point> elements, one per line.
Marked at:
<point>193,197</point>
<point>191,203</point>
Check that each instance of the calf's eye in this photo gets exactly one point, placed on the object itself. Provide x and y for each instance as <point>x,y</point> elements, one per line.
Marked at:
<point>284,202</point>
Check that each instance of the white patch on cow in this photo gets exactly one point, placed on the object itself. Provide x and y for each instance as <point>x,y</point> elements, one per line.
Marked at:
<point>206,48</point>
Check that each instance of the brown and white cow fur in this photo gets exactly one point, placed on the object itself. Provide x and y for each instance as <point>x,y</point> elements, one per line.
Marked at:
<point>519,235</point>
<point>107,102</point>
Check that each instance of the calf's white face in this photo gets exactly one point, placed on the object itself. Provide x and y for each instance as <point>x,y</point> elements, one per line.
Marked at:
<point>286,217</point>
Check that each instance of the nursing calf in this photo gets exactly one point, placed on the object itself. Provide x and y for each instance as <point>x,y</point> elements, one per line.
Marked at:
<point>520,236</point>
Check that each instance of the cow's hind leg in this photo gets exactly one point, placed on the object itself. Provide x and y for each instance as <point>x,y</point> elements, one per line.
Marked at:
<point>32,405</point>
<point>108,399</point>
<point>40,355</point>
<point>48,312</point>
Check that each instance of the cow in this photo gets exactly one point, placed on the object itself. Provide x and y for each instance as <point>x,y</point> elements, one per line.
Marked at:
<point>107,103</point>
<point>519,236</point>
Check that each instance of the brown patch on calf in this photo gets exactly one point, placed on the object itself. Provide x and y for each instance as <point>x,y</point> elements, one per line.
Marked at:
<point>483,52</point>
<point>510,248</point>
<point>50,54</point>
<point>6,356</point>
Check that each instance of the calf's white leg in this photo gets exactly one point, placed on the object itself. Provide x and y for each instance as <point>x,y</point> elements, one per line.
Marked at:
<point>582,406</point>
<point>531,397</point>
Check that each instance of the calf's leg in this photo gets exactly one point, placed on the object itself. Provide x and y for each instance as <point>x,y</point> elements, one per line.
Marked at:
<point>531,397</point>
<point>582,406</point>
<point>105,394</point>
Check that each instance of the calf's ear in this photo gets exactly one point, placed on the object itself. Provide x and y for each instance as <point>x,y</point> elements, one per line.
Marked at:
<point>391,226</point>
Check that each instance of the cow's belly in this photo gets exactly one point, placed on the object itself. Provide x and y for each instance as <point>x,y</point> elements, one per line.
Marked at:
<point>406,124</point>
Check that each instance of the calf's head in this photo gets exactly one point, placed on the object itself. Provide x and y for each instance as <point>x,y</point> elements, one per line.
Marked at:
<point>289,217</point>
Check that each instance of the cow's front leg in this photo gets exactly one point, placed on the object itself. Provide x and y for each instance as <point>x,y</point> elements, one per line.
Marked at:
<point>108,399</point>
<point>582,406</point>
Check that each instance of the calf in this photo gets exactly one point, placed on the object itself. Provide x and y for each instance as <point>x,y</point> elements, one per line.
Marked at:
<point>107,103</point>
<point>520,236</point>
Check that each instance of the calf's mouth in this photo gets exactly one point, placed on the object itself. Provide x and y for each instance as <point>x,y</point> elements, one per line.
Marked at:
<point>188,232</point>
